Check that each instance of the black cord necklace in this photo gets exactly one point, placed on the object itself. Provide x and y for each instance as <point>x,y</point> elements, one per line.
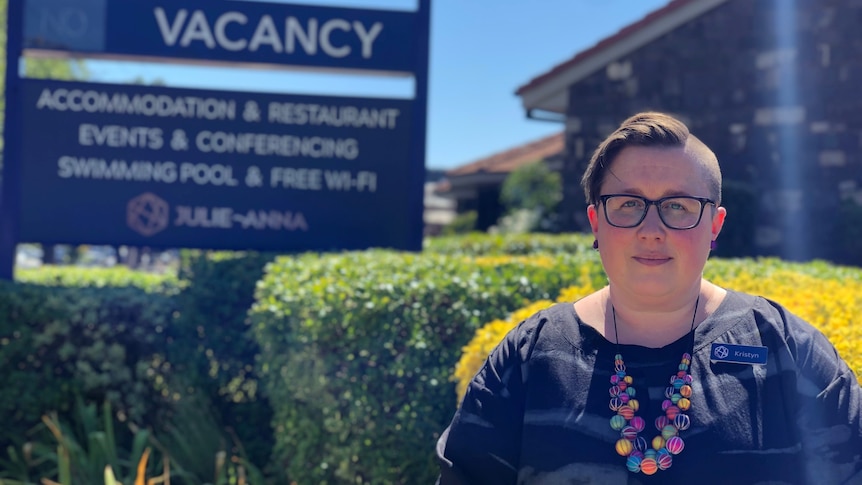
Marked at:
<point>657,455</point>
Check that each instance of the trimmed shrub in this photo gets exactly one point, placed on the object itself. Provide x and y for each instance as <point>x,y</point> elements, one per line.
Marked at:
<point>106,344</point>
<point>523,244</point>
<point>212,347</point>
<point>357,350</point>
<point>116,277</point>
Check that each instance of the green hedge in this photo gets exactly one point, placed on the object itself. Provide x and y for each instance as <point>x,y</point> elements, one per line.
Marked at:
<point>357,350</point>
<point>116,277</point>
<point>101,343</point>
<point>139,340</point>
<point>521,244</point>
<point>212,345</point>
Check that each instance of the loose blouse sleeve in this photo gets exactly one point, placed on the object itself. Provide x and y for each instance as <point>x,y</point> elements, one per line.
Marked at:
<point>830,409</point>
<point>483,442</point>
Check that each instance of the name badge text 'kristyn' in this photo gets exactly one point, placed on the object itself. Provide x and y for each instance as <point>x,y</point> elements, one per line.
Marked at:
<point>738,354</point>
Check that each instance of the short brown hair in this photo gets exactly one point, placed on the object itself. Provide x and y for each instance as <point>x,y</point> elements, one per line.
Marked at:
<point>648,129</point>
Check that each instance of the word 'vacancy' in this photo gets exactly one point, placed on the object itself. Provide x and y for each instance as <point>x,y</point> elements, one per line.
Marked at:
<point>184,29</point>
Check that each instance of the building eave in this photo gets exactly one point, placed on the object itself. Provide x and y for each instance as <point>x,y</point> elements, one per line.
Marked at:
<point>550,91</point>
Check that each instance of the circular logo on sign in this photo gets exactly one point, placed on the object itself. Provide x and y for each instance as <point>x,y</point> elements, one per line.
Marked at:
<point>147,214</point>
<point>721,352</point>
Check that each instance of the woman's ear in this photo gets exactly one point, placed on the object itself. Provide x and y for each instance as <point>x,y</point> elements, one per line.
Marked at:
<point>718,221</point>
<point>593,216</point>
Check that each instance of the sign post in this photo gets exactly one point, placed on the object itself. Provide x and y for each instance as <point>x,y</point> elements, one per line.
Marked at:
<point>166,167</point>
<point>10,189</point>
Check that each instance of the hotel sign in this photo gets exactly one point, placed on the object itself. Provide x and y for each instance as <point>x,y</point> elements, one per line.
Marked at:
<point>226,31</point>
<point>90,163</point>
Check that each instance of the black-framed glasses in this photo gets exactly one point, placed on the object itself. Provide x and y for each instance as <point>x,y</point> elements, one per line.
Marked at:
<point>676,212</point>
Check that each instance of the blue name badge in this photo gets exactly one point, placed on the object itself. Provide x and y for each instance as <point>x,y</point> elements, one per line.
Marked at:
<point>738,354</point>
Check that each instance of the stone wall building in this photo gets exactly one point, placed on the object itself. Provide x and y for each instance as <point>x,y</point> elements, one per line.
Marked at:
<point>772,86</point>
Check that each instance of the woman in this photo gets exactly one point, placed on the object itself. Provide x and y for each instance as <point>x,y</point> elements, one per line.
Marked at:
<point>661,376</point>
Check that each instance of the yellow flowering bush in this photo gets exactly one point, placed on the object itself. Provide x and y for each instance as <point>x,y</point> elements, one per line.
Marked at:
<point>829,297</point>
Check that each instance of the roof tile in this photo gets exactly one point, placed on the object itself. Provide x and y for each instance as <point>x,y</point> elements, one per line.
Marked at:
<point>509,160</point>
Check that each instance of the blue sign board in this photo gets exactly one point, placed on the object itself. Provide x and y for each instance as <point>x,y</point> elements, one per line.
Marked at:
<point>222,31</point>
<point>151,166</point>
<point>89,163</point>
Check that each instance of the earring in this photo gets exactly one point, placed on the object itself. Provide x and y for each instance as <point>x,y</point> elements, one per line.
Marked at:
<point>713,245</point>
<point>596,245</point>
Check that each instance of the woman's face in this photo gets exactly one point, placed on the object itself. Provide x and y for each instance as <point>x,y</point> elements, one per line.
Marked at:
<point>651,261</point>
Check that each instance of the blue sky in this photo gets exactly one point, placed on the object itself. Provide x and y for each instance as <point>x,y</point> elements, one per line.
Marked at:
<point>481,52</point>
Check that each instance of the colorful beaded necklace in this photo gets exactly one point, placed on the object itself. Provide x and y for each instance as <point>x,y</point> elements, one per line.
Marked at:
<point>657,455</point>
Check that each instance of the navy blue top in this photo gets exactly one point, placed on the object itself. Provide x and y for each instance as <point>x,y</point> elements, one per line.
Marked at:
<point>537,412</point>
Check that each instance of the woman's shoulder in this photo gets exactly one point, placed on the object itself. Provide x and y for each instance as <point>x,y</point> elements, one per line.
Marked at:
<point>746,317</point>
<point>553,327</point>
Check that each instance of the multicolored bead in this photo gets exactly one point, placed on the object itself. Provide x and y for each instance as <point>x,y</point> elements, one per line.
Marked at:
<point>682,422</point>
<point>669,431</point>
<point>658,454</point>
<point>664,460</point>
<point>624,447</point>
<point>618,422</point>
<point>675,445</point>
<point>626,412</point>
<point>649,466</point>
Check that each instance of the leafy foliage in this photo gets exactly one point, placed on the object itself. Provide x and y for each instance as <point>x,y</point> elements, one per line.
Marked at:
<point>92,444</point>
<point>85,449</point>
<point>530,195</point>
<point>462,224</point>
<point>524,244</point>
<point>141,341</point>
<point>116,277</point>
<point>212,346</point>
<point>357,350</point>
<point>532,186</point>
<point>105,343</point>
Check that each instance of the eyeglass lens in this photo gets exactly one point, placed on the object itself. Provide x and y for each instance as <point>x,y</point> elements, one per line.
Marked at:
<point>676,213</point>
